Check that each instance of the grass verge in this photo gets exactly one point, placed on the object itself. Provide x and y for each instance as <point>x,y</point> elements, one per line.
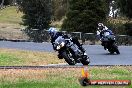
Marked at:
<point>10,27</point>
<point>60,77</point>
<point>51,78</point>
<point>10,15</point>
<point>9,57</point>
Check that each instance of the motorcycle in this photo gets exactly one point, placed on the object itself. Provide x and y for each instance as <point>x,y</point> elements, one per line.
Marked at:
<point>108,41</point>
<point>70,51</point>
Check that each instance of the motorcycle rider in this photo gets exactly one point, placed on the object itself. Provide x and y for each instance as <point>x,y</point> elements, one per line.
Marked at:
<point>102,29</point>
<point>54,33</point>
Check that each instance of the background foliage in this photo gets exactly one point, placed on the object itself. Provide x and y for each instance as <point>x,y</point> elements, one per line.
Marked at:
<point>37,16</point>
<point>78,15</point>
<point>83,15</point>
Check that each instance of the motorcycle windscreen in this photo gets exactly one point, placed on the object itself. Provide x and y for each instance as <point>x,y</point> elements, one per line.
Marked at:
<point>111,37</point>
<point>59,40</point>
<point>106,34</point>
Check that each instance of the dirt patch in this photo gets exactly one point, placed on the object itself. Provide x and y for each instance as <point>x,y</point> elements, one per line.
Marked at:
<point>12,32</point>
<point>69,75</point>
<point>14,75</point>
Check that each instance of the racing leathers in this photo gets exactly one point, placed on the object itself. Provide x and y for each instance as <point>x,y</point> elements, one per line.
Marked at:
<point>101,35</point>
<point>73,39</point>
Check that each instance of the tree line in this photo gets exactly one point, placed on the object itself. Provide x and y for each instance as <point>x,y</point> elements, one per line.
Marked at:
<point>7,2</point>
<point>78,15</point>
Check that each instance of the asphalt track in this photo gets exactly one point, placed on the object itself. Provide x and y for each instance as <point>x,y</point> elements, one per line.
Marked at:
<point>97,54</point>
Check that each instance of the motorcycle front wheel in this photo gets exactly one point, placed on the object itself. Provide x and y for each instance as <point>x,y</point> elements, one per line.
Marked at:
<point>111,51</point>
<point>67,58</point>
<point>116,49</point>
<point>85,60</point>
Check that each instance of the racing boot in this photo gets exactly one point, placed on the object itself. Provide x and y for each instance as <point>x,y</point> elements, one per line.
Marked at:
<point>59,56</point>
<point>105,48</point>
<point>82,49</point>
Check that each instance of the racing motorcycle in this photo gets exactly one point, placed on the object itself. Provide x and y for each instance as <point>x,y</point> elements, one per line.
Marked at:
<point>109,43</point>
<point>70,51</point>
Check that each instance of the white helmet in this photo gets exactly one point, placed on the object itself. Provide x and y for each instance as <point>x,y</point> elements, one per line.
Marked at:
<point>100,26</point>
<point>52,31</point>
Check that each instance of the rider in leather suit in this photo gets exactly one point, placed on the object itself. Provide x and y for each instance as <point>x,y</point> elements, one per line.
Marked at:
<point>55,34</point>
<point>101,31</point>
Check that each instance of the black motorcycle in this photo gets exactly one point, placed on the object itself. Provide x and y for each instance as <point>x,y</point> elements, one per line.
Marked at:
<point>109,43</point>
<point>70,51</point>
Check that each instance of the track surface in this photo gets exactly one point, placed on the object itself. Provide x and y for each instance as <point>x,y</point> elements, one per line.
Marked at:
<point>97,54</point>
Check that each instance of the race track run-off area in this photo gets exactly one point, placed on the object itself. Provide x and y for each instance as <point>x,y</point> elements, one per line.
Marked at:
<point>98,56</point>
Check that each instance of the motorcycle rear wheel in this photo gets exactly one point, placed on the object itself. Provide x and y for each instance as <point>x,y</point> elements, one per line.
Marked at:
<point>68,59</point>
<point>114,48</point>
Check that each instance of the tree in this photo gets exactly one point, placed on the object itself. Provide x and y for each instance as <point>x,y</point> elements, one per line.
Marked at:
<point>2,3</point>
<point>37,16</point>
<point>114,10</point>
<point>7,2</point>
<point>83,15</point>
<point>59,8</point>
<point>126,7</point>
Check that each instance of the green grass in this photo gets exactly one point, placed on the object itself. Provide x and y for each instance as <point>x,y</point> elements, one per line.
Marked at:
<point>6,59</point>
<point>10,15</point>
<point>55,84</point>
<point>33,84</point>
<point>15,57</point>
<point>51,78</point>
<point>60,78</point>
<point>11,24</point>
